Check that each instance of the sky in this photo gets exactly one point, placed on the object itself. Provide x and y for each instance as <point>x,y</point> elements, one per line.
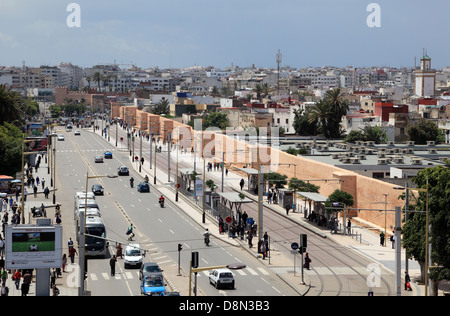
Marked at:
<point>222,33</point>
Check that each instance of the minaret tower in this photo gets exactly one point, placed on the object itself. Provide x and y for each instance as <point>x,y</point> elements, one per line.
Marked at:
<point>425,78</point>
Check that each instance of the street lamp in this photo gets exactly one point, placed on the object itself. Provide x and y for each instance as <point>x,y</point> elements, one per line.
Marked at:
<point>82,259</point>
<point>426,228</point>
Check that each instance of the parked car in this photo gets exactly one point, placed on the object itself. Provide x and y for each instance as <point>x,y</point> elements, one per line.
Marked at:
<point>133,256</point>
<point>152,285</point>
<point>108,155</point>
<point>123,171</point>
<point>98,158</point>
<point>221,278</point>
<point>148,269</point>
<point>97,189</point>
<point>143,187</point>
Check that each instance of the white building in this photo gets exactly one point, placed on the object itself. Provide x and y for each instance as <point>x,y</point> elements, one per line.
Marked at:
<point>425,79</point>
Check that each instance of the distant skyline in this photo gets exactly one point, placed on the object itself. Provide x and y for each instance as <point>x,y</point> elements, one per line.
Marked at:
<point>180,33</point>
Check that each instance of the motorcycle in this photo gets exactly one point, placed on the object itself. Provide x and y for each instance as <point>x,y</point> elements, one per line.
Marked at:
<point>161,203</point>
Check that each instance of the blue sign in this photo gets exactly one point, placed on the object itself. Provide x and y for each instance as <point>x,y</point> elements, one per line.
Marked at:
<point>294,246</point>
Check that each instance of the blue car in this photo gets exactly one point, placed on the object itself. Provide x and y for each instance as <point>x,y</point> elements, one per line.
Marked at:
<point>143,187</point>
<point>108,155</point>
<point>152,285</point>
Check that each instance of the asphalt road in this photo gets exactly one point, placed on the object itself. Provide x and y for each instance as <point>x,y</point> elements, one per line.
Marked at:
<point>157,230</point>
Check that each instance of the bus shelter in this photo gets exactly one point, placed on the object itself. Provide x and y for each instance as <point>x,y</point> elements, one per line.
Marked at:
<point>316,205</point>
<point>252,179</point>
<point>186,181</point>
<point>230,205</point>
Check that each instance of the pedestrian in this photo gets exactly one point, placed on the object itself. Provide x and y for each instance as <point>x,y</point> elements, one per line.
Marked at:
<point>119,251</point>
<point>112,263</point>
<point>266,241</point>
<point>407,282</point>
<point>392,239</point>
<point>288,207</point>
<point>55,290</point>
<point>241,183</point>
<point>4,275</point>
<point>64,262</point>
<point>307,261</point>
<point>70,243</point>
<point>382,239</point>
<point>52,277</point>
<point>4,290</point>
<point>35,190</point>
<point>349,227</point>
<point>250,238</point>
<point>46,192</point>
<point>16,277</point>
<point>25,287</point>
<point>2,246</point>
<point>72,252</point>
<point>43,183</point>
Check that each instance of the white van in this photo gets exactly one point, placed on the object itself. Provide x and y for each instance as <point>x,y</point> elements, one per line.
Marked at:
<point>221,278</point>
<point>133,256</point>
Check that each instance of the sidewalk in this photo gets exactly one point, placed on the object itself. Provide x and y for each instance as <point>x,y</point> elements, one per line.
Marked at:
<point>31,202</point>
<point>368,247</point>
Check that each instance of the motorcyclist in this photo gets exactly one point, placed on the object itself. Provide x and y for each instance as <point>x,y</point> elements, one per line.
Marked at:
<point>131,181</point>
<point>206,235</point>
<point>161,201</point>
<point>146,178</point>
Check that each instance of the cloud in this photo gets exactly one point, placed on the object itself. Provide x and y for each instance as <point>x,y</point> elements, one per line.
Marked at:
<point>8,41</point>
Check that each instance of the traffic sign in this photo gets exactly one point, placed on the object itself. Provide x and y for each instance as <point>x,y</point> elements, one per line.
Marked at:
<point>294,246</point>
<point>228,219</point>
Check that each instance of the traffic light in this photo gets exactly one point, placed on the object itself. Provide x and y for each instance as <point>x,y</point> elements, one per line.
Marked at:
<point>180,247</point>
<point>303,240</point>
<point>194,259</point>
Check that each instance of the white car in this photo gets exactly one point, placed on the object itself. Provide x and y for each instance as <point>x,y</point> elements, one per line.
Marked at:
<point>60,137</point>
<point>77,133</point>
<point>221,278</point>
<point>133,256</point>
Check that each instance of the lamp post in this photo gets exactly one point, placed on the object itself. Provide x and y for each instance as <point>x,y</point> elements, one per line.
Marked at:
<point>426,228</point>
<point>82,248</point>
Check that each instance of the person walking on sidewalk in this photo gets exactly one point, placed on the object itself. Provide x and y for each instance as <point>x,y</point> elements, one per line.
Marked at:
<point>72,252</point>
<point>407,282</point>
<point>241,184</point>
<point>382,239</point>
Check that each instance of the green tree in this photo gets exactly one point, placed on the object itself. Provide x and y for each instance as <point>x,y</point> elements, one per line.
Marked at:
<point>321,114</point>
<point>11,109</point>
<point>368,133</point>
<point>424,131</point>
<point>302,125</point>
<point>439,221</point>
<point>162,107</point>
<point>211,185</point>
<point>97,77</point>
<point>341,197</point>
<point>10,149</point>
<point>276,179</point>
<point>297,185</point>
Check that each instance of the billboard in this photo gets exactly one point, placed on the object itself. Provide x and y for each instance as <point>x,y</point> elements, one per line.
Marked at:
<point>33,247</point>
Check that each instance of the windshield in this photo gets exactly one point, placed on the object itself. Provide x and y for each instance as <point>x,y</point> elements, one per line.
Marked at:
<point>152,269</point>
<point>96,231</point>
<point>153,282</point>
<point>133,252</point>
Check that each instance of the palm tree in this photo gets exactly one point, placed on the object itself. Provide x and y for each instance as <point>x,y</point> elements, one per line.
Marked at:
<point>10,106</point>
<point>97,78</point>
<point>321,114</point>
<point>338,104</point>
<point>162,107</point>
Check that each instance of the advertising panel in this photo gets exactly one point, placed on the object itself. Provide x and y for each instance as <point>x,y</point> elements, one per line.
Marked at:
<point>33,247</point>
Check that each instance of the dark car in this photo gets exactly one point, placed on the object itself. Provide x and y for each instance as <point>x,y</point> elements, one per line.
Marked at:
<point>143,187</point>
<point>97,189</point>
<point>148,269</point>
<point>123,171</point>
<point>108,155</point>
